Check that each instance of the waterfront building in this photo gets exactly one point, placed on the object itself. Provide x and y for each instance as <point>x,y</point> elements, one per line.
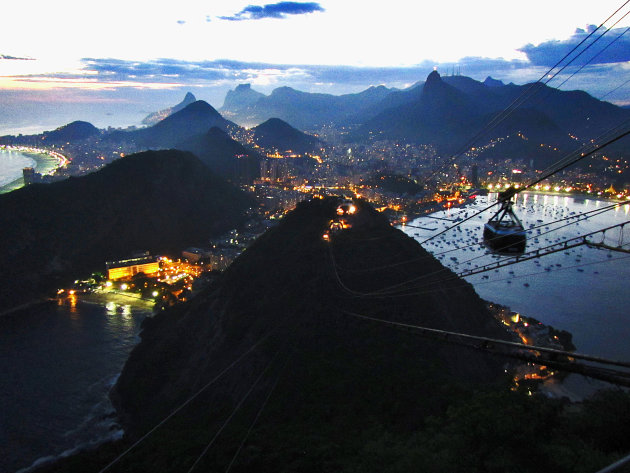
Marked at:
<point>128,268</point>
<point>30,176</point>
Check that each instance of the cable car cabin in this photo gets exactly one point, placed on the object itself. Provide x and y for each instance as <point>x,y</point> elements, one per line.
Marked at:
<point>504,232</point>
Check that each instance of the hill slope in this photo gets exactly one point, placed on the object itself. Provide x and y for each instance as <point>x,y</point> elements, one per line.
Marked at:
<point>156,201</point>
<point>155,117</point>
<point>342,375</point>
<point>223,155</point>
<point>270,359</point>
<point>194,119</point>
<point>278,134</point>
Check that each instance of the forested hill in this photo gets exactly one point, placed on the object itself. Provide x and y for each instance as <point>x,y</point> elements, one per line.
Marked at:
<point>271,358</point>
<point>156,201</point>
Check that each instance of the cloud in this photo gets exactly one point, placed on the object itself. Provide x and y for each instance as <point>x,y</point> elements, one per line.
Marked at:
<point>613,47</point>
<point>215,77</point>
<point>13,58</point>
<point>278,10</point>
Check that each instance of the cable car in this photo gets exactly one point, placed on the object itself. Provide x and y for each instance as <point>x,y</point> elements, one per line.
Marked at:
<point>504,232</point>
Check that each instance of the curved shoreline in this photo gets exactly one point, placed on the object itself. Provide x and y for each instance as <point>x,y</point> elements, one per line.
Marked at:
<point>43,164</point>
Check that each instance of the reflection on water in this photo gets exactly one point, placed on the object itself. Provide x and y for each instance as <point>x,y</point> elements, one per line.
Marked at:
<point>581,290</point>
<point>58,363</point>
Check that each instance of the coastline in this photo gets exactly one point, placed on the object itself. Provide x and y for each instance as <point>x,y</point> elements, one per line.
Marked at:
<point>46,163</point>
<point>99,423</point>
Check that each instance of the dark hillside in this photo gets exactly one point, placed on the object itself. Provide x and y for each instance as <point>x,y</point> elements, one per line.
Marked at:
<point>278,134</point>
<point>223,155</point>
<point>344,394</point>
<point>156,201</point>
<point>342,375</point>
<point>196,118</point>
<point>74,131</point>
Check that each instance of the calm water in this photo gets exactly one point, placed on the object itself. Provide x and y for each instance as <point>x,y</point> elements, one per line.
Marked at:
<point>12,163</point>
<point>583,290</point>
<point>57,365</point>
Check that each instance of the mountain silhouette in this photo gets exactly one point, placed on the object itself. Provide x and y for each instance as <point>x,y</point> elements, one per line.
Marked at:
<point>304,110</point>
<point>161,201</point>
<point>194,119</point>
<point>223,155</point>
<point>340,371</point>
<point>240,98</point>
<point>155,117</point>
<point>278,134</point>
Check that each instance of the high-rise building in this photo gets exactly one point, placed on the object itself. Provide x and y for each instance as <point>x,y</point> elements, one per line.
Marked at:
<point>475,176</point>
<point>29,176</point>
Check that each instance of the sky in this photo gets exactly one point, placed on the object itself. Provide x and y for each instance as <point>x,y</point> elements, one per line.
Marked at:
<point>116,61</point>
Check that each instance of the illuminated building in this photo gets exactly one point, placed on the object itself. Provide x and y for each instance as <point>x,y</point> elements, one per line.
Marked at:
<point>130,267</point>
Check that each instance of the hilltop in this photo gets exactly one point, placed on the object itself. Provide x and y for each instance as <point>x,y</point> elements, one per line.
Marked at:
<point>72,132</point>
<point>271,358</point>
<point>194,119</point>
<point>278,134</point>
<point>155,117</point>
<point>158,201</point>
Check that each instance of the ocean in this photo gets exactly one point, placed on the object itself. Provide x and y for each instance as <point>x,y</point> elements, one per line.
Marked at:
<point>58,363</point>
<point>12,162</point>
<point>581,290</point>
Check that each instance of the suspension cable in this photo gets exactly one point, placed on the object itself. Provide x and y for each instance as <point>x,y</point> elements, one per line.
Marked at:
<point>234,411</point>
<point>190,399</point>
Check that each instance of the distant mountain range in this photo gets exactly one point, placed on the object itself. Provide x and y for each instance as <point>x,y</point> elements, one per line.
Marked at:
<point>303,110</point>
<point>157,200</point>
<point>155,117</point>
<point>240,98</point>
<point>446,112</point>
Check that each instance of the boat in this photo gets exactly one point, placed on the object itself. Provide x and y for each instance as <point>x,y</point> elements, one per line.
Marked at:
<point>504,232</point>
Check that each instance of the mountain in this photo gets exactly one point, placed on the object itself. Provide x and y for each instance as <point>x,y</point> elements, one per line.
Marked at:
<point>72,132</point>
<point>278,134</point>
<point>450,111</point>
<point>223,155</point>
<point>194,119</point>
<point>573,112</point>
<point>75,131</point>
<point>441,115</point>
<point>240,98</point>
<point>304,110</point>
<point>276,367</point>
<point>343,376</point>
<point>157,200</point>
<point>155,117</point>
<point>491,82</point>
